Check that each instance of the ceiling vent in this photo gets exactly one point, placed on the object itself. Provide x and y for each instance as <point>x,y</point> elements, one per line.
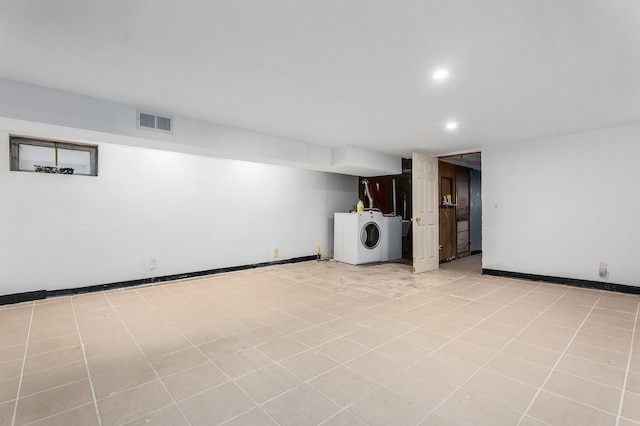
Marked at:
<point>147,120</point>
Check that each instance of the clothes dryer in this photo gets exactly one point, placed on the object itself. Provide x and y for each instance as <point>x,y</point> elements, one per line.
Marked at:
<point>358,237</point>
<point>392,244</point>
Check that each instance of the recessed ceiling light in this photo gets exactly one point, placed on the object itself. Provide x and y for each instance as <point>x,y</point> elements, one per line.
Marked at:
<point>440,74</point>
<point>452,125</point>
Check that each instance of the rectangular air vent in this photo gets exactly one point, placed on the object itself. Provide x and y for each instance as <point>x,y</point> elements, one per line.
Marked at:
<point>146,120</point>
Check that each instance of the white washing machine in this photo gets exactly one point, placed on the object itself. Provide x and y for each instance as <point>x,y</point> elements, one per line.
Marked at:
<point>392,247</point>
<point>358,237</point>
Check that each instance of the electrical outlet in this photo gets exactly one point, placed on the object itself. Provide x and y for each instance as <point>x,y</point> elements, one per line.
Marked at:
<point>602,270</point>
<point>275,252</point>
<point>153,263</point>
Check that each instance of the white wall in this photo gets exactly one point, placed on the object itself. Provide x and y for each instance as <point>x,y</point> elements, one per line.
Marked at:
<point>559,206</point>
<point>190,212</point>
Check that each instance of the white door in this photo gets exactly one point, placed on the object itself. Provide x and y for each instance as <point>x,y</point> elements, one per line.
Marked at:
<point>424,188</point>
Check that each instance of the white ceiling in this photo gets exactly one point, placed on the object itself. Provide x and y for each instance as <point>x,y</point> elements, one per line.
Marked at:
<point>343,72</point>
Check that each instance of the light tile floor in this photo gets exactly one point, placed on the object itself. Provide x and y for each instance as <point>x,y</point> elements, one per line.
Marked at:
<point>325,343</point>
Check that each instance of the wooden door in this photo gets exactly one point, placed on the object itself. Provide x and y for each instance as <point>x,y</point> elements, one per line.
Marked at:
<point>447,216</point>
<point>424,191</point>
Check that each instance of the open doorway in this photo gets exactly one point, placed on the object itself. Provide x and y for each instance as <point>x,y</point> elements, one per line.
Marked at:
<point>392,196</point>
<point>460,218</point>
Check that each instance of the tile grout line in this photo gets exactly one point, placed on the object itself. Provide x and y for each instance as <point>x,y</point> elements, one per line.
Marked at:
<point>522,329</point>
<point>86,363</point>
<point>115,310</point>
<point>274,362</point>
<point>626,374</point>
<point>524,414</point>
<point>316,325</point>
<point>307,382</point>
<point>311,326</point>
<point>368,326</point>
<point>431,351</point>
<point>230,379</point>
<point>24,361</point>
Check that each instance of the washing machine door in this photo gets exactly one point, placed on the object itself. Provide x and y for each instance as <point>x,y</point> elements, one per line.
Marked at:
<point>370,235</point>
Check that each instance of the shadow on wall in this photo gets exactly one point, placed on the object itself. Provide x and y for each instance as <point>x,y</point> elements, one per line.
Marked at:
<point>330,237</point>
<point>382,194</point>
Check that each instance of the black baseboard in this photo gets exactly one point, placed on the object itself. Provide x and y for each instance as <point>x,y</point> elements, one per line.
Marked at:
<point>44,294</point>
<point>22,297</point>
<point>476,252</point>
<point>621,288</point>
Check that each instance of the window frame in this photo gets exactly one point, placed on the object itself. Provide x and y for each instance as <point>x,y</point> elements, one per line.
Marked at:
<point>14,151</point>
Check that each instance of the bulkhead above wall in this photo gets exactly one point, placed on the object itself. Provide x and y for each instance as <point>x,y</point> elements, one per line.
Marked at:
<point>23,105</point>
<point>351,160</point>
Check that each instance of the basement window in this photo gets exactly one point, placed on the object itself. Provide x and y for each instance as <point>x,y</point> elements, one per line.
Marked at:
<point>46,156</point>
